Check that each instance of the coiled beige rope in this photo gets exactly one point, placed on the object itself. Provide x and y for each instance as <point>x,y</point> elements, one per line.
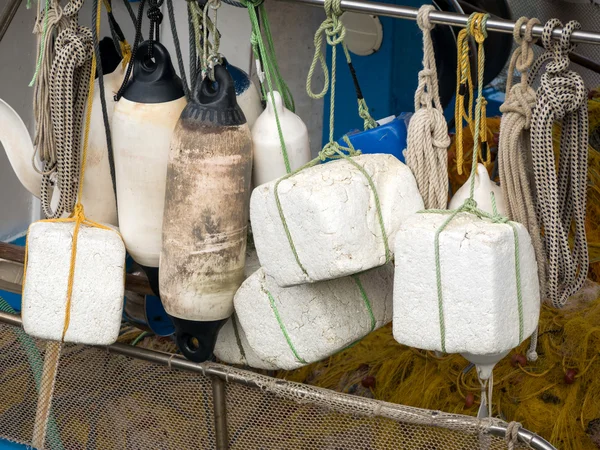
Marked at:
<point>561,193</point>
<point>514,149</point>
<point>428,140</point>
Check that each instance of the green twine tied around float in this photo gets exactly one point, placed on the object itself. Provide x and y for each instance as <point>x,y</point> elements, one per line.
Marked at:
<point>476,26</point>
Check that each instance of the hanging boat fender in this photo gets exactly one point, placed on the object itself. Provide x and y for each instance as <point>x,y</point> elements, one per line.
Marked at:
<point>483,187</point>
<point>248,97</point>
<point>18,146</point>
<point>142,126</point>
<point>268,158</point>
<point>98,194</point>
<point>206,215</point>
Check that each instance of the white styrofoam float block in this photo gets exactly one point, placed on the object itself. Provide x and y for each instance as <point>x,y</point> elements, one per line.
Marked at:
<point>320,319</point>
<point>98,287</point>
<point>332,218</point>
<point>477,261</point>
<point>229,350</point>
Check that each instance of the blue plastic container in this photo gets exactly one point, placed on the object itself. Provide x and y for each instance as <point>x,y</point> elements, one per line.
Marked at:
<point>389,138</point>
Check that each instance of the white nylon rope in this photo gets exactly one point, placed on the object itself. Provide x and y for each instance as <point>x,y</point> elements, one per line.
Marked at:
<point>61,83</point>
<point>428,140</point>
<point>514,148</point>
<point>561,196</point>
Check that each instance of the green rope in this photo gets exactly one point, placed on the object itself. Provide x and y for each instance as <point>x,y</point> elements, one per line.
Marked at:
<point>363,294</point>
<point>335,32</point>
<point>36,364</point>
<point>283,328</point>
<point>42,47</point>
<point>282,87</point>
<point>363,110</point>
<point>238,339</point>
<point>258,47</point>
<point>137,340</point>
<point>470,206</point>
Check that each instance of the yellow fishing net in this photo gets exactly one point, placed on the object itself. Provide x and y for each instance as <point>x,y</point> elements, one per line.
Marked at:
<point>558,396</point>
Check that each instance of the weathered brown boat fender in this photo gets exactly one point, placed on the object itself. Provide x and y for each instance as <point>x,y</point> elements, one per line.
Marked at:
<point>206,214</point>
<point>142,126</point>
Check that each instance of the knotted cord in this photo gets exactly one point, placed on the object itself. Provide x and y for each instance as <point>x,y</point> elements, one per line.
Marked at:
<point>428,140</point>
<point>561,196</point>
<point>514,148</point>
<point>69,80</point>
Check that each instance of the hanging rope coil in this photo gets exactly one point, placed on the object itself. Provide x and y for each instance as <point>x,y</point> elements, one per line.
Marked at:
<point>69,80</point>
<point>561,193</point>
<point>428,139</point>
<point>515,146</point>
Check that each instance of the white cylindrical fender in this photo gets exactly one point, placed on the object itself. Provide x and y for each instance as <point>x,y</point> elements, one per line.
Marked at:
<point>206,214</point>
<point>142,126</point>
<point>17,144</point>
<point>483,188</point>
<point>98,196</point>
<point>268,157</point>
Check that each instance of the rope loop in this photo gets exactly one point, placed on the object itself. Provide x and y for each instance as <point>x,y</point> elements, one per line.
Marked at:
<point>423,18</point>
<point>477,26</point>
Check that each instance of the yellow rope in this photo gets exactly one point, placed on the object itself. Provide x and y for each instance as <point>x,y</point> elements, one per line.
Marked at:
<point>78,215</point>
<point>464,86</point>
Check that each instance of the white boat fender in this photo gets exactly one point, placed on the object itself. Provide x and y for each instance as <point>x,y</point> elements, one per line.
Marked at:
<point>269,162</point>
<point>484,186</point>
<point>142,126</point>
<point>206,215</point>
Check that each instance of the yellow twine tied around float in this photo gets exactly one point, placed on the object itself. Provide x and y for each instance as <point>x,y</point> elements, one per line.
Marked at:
<point>78,215</point>
<point>464,85</point>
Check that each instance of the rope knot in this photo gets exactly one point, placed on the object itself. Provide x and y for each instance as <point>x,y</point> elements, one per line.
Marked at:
<point>78,212</point>
<point>470,205</point>
<point>520,100</point>
<point>565,92</point>
<point>423,18</point>
<point>334,30</point>
<point>512,434</point>
<point>477,26</point>
<point>76,43</point>
<point>154,14</point>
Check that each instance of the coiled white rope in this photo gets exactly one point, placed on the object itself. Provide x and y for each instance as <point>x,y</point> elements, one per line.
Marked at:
<point>428,140</point>
<point>561,193</point>
<point>514,148</point>
<point>69,81</point>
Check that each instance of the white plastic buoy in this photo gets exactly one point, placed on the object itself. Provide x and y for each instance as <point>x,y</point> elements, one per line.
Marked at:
<point>98,195</point>
<point>142,126</point>
<point>206,214</point>
<point>483,187</point>
<point>475,309</point>
<point>268,157</point>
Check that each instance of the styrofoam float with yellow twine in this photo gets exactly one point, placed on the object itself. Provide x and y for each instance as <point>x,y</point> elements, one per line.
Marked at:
<point>74,275</point>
